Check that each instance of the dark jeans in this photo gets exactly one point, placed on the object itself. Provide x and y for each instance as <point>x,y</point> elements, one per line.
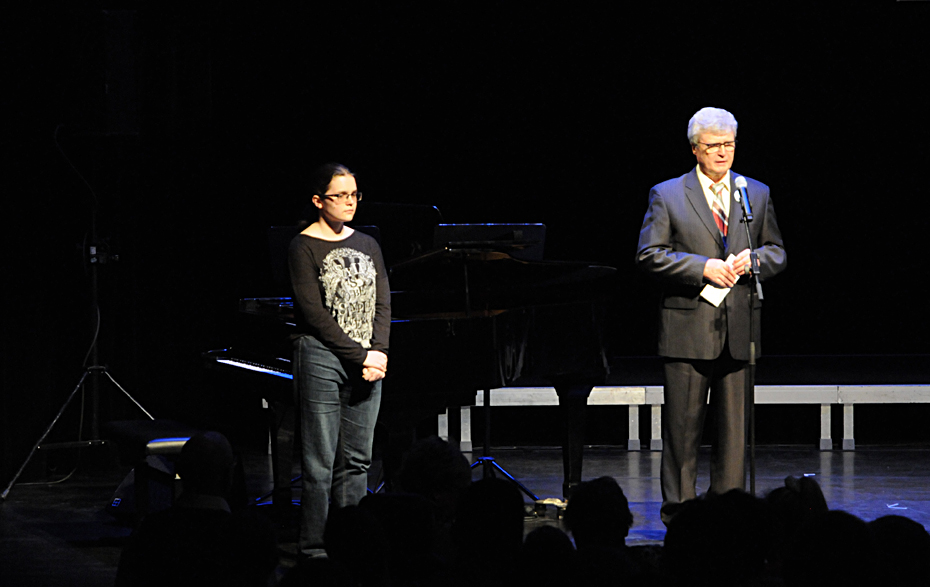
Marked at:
<point>337,411</point>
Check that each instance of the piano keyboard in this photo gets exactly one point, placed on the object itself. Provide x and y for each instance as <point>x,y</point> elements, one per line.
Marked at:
<point>257,367</point>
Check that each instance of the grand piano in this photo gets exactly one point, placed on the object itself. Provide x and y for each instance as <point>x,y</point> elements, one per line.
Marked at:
<point>474,307</point>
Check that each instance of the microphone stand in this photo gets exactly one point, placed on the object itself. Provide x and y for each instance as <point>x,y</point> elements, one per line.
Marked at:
<point>95,257</point>
<point>751,377</point>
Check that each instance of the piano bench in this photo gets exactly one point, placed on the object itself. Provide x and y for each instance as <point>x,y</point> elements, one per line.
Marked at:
<point>153,447</point>
<point>632,397</point>
<point>823,396</point>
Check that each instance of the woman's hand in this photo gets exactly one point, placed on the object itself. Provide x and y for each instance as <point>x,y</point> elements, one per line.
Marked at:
<point>376,359</point>
<point>375,366</point>
<point>372,374</point>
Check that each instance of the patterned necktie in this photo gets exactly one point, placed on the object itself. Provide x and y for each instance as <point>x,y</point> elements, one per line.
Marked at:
<point>720,215</point>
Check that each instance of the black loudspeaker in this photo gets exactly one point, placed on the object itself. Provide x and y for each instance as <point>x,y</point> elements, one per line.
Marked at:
<point>124,503</point>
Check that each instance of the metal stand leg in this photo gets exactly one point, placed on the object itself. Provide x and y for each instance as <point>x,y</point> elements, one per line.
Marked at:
<point>487,462</point>
<point>95,441</point>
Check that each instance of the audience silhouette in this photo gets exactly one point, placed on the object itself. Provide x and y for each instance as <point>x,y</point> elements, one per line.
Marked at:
<point>199,541</point>
<point>548,559</point>
<point>831,549</point>
<point>599,519</point>
<point>440,528</point>
<point>488,533</point>
<point>719,539</point>
<point>902,551</point>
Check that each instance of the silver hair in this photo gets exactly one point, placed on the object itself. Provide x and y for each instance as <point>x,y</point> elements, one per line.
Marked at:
<point>712,120</point>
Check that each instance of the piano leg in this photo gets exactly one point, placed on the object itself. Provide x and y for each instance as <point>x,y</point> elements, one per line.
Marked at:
<point>282,425</point>
<point>573,401</point>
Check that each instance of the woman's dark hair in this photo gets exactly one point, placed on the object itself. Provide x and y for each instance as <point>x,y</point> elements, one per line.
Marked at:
<point>324,174</point>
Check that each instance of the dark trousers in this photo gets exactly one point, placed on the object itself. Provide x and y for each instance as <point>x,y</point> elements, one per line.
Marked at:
<point>687,383</point>
<point>337,412</point>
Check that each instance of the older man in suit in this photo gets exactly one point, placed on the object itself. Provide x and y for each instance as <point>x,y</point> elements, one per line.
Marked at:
<point>692,242</point>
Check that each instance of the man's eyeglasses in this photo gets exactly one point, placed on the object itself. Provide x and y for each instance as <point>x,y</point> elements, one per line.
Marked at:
<point>715,147</point>
<point>344,197</point>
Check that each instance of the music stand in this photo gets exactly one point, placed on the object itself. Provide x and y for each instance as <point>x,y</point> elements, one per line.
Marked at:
<point>520,241</point>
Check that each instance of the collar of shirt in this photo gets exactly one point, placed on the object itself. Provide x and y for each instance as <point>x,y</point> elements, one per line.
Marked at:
<point>706,182</point>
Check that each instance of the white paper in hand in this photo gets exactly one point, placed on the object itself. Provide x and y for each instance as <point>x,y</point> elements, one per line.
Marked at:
<point>714,294</point>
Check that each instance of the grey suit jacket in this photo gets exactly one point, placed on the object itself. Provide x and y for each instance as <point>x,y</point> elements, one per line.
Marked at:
<point>677,238</point>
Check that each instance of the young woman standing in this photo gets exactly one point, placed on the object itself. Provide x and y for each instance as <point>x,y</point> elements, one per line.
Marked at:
<point>343,309</point>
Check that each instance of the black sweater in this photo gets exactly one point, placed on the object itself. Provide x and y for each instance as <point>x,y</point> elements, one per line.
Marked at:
<point>341,294</point>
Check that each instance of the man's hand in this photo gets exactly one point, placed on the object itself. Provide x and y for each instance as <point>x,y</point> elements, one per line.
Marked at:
<point>377,360</point>
<point>718,272</point>
<point>372,374</point>
<point>741,262</point>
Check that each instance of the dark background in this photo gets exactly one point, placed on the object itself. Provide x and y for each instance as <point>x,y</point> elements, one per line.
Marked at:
<point>190,131</point>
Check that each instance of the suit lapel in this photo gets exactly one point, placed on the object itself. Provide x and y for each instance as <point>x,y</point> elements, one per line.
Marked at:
<point>695,194</point>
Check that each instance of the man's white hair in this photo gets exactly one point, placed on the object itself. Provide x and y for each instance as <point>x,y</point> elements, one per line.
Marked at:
<point>712,120</point>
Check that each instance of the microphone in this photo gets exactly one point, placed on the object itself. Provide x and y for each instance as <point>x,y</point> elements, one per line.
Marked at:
<point>740,183</point>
